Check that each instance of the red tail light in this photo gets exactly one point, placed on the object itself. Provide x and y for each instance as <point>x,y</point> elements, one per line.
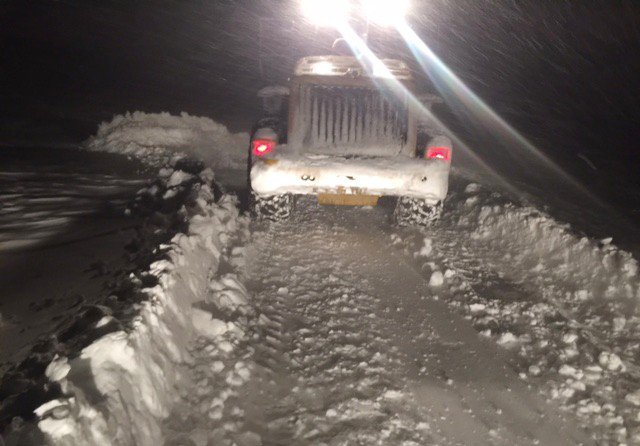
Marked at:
<point>439,153</point>
<point>263,146</point>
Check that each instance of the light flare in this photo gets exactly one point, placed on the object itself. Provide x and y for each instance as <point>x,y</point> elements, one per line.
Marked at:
<point>382,77</point>
<point>327,13</point>
<point>456,92</point>
<point>322,68</point>
<point>386,12</point>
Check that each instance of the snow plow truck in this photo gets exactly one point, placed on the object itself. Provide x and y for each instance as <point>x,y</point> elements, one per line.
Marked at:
<point>337,133</point>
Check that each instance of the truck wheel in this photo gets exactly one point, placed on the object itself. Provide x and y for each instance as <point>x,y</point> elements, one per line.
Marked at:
<point>274,207</point>
<point>416,212</point>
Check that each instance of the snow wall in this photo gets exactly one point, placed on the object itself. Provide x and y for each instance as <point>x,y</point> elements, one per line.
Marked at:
<point>119,389</point>
<point>577,328</point>
<point>546,250</point>
<point>151,137</point>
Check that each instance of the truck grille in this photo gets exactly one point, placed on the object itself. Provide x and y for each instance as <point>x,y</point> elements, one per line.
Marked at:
<point>353,120</point>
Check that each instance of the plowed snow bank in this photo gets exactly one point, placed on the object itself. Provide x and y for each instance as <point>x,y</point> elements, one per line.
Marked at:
<point>539,243</point>
<point>120,388</point>
<point>564,304</point>
<point>154,136</point>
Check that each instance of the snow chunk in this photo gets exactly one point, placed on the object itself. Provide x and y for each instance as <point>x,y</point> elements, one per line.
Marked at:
<point>58,369</point>
<point>54,408</point>
<point>393,395</point>
<point>427,248</point>
<point>472,188</point>
<point>569,338</point>
<point>633,398</point>
<point>437,279</point>
<point>229,293</point>
<point>179,177</point>
<point>567,370</point>
<point>534,370</point>
<point>536,240</point>
<point>610,361</point>
<point>507,339</point>
<point>477,308</point>
<point>619,323</point>
<point>206,325</point>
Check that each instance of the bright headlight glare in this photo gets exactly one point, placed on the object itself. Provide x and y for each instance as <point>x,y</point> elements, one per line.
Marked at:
<point>386,12</point>
<point>322,68</point>
<point>326,12</point>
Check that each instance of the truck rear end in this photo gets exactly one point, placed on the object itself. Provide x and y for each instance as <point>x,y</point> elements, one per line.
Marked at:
<point>350,139</point>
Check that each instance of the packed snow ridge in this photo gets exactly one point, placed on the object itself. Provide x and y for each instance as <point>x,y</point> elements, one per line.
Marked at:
<point>564,303</point>
<point>120,388</point>
<point>153,137</point>
<point>539,243</point>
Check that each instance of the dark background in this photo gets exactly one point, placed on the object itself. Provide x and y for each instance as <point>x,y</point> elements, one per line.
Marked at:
<point>564,73</point>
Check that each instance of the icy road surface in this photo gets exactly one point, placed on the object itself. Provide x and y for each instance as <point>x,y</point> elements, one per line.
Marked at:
<point>350,344</point>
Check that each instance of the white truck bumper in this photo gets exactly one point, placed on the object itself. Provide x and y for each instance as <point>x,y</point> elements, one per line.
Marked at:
<point>320,174</point>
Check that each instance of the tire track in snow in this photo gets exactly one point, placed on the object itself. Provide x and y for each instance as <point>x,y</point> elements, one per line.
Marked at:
<point>346,344</point>
<point>365,356</point>
<point>336,385</point>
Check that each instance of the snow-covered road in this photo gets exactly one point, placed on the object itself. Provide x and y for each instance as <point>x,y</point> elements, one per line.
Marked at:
<point>350,344</point>
<point>498,325</point>
<point>365,333</point>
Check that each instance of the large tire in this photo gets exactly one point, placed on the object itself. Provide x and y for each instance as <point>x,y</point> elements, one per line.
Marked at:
<point>274,207</point>
<point>416,212</point>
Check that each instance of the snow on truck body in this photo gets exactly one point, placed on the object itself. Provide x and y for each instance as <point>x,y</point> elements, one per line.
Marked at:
<point>348,135</point>
<point>343,111</point>
<point>322,174</point>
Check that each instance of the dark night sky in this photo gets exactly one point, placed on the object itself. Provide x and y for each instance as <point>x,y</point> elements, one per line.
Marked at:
<point>563,72</point>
